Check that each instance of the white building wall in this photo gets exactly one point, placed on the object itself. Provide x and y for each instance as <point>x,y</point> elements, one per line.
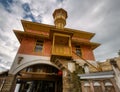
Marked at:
<point>28,60</point>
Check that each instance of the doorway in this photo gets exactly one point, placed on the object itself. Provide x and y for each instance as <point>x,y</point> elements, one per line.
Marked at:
<point>40,78</point>
<point>38,86</point>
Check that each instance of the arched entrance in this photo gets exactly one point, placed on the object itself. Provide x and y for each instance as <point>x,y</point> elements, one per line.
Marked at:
<point>39,78</point>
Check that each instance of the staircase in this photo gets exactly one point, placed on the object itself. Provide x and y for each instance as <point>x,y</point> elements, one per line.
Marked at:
<point>98,68</point>
<point>60,63</point>
<point>71,81</point>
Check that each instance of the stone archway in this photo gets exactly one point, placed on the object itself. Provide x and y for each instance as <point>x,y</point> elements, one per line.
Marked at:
<point>27,64</point>
<point>39,78</point>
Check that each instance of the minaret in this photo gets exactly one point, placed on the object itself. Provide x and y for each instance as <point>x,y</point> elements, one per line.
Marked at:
<point>60,16</point>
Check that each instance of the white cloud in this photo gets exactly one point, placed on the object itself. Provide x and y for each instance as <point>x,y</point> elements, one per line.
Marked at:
<point>98,16</point>
<point>8,41</point>
<point>25,1</point>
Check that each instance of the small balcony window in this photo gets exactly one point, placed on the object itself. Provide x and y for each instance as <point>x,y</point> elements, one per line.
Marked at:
<point>78,50</point>
<point>39,46</point>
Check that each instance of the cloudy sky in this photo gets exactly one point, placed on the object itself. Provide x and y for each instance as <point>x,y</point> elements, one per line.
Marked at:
<point>98,16</point>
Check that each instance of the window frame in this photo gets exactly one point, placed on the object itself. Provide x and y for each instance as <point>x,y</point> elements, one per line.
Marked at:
<point>78,50</point>
<point>39,49</point>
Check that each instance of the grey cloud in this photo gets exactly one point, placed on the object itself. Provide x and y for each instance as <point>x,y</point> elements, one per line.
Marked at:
<point>98,16</point>
<point>3,38</point>
<point>5,63</point>
<point>6,57</point>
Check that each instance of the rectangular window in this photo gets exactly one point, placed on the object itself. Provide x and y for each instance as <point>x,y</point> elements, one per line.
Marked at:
<point>39,46</point>
<point>78,50</point>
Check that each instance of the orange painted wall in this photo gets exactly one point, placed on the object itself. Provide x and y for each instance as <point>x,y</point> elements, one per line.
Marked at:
<point>87,53</point>
<point>47,47</point>
<point>28,44</point>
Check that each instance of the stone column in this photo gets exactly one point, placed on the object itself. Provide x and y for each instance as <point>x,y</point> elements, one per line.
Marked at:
<point>66,81</point>
<point>102,86</point>
<point>116,71</point>
<point>86,68</point>
<point>82,86</point>
<point>70,82</point>
<point>114,85</point>
<point>9,84</point>
<point>91,86</point>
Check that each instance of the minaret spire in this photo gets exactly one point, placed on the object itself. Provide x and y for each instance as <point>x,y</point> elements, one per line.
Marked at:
<point>60,16</point>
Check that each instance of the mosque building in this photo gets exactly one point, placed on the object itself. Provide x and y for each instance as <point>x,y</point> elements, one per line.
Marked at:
<point>53,58</point>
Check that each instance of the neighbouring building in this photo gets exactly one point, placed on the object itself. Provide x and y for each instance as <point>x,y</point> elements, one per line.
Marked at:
<point>52,58</point>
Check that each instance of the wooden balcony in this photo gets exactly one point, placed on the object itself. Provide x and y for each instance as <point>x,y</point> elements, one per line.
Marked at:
<point>61,50</point>
<point>61,46</point>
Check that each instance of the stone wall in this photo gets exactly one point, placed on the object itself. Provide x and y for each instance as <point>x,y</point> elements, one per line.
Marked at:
<point>9,84</point>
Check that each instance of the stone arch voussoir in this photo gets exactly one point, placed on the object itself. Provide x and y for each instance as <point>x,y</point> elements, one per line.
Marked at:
<point>27,64</point>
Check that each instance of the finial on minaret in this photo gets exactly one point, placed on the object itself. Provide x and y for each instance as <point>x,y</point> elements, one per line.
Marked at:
<point>60,16</point>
